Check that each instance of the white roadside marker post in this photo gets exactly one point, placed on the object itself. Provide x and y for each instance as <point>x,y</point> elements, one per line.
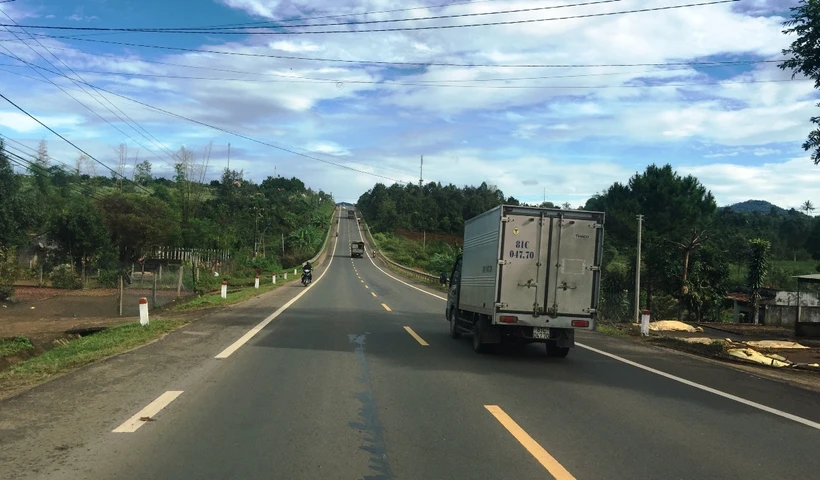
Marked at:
<point>224,289</point>
<point>144,312</point>
<point>645,323</point>
<point>273,277</point>
<point>256,282</point>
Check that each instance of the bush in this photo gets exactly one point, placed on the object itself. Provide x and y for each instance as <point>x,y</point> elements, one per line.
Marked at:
<point>63,276</point>
<point>109,278</point>
<point>9,273</point>
<point>208,282</point>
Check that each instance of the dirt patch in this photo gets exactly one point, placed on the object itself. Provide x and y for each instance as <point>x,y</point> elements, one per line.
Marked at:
<point>751,330</point>
<point>51,310</point>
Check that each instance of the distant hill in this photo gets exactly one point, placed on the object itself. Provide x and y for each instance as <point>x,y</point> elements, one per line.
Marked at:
<point>345,204</point>
<point>760,206</point>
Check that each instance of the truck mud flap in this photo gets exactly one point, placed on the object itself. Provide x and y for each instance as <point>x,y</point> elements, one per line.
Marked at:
<point>563,337</point>
<point>490,333</point>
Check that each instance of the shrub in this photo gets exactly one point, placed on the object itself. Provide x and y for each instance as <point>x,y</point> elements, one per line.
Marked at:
<point>9,273</point>
<point>63,276</point>
<point>109,278</point>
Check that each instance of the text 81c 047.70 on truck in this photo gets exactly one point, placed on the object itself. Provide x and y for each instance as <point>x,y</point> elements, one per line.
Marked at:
<point>527,275</point>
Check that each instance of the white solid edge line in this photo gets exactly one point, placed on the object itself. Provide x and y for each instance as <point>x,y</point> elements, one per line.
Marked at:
<point>245,338</point>
<point>134,423</point>
<point>719,393</point>
<point>394,278</point>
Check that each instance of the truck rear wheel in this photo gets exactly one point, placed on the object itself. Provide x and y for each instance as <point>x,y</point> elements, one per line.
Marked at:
<point>454,333</point>
<point>478,337</point>
<point>555,351</point>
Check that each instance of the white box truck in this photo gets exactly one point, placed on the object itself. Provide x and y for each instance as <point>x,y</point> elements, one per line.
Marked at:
<point>526,275</point>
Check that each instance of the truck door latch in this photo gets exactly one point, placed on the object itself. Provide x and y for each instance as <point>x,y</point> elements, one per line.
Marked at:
<point>529,284</point>
<point>565,286</point>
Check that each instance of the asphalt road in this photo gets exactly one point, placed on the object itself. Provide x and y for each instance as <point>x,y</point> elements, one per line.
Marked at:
<point>358,378</point>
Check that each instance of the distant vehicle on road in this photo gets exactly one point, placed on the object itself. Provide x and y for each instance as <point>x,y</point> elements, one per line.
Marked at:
<point>357,249</point>
<point>351,213</point>
<point>527,275</point>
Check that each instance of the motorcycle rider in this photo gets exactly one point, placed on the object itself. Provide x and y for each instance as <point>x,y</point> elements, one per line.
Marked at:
<point>307,270</point>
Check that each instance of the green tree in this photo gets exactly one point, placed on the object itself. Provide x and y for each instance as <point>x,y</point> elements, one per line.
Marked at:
<point>758,263</point>
<point>142,173</point>
<point>137,222</point>
<point>81,232</point>
<point>805,57</point>
<point>14,207</point>
<point>813,240</point>
<point>807,207</point>
<point>677,211</point>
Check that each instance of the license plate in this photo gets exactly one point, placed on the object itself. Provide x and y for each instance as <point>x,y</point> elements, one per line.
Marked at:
<point>540,332</point>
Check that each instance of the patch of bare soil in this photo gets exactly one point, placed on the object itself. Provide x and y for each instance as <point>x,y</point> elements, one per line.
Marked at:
<point>751,330</point>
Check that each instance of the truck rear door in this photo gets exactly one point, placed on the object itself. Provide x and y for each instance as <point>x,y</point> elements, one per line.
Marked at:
<point>575,267</point>
<point>519,288</point>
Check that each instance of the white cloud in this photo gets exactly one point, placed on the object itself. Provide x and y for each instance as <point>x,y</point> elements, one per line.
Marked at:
<point>383,128</point>
<point>786,184</point>
<point>330,148</point>
<point>23,124</point>
<point>760,152</point>
<point>81,18</point>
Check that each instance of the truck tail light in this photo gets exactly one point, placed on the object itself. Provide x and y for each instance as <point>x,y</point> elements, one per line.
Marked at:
<point>580,323</point>
<point>508,319</point>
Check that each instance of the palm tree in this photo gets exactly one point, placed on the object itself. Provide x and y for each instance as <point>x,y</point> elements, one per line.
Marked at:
<point>807,207</point>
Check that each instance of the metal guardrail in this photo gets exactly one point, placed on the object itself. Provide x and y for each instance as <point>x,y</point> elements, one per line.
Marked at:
<point>412,271</point>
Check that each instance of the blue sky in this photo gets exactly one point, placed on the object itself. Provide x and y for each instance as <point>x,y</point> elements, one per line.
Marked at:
<point>568,131</point>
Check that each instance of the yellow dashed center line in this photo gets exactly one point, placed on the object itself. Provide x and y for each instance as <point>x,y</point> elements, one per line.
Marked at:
<point>417,337</point>
<point>367,287</point>
<point>544,458</point>
<point>386,307</point>
<point>373,293</point>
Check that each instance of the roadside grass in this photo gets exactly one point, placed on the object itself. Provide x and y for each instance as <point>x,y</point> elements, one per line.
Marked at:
<point>13,346</point>
<point>73,354</point>
<point>607,329</point>
<point>617,329</point>
<point>432,284</point>
<point>211,300</point>
<point>712,350</point>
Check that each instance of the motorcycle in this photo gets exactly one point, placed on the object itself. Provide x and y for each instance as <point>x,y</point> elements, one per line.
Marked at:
<point>307,276</point>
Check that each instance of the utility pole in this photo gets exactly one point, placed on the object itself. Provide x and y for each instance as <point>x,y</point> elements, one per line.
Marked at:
<point>638,273</point>
<point>229,157</point>
<point>421,172</point>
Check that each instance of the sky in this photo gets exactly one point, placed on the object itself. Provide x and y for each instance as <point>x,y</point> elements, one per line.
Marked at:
<point>603,94</point>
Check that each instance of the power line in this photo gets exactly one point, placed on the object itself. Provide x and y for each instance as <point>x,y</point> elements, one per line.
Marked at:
<point>222,30</point>
<point>152,139</point>
<point>289,149</point>
<point>395,10</point>
<point>447,85</point>
<point>409,29</point>
<point>412,64</point>
<point>341,80</point>
<point>65,139</point>
<point>35,67</point>
<point>36,170</point>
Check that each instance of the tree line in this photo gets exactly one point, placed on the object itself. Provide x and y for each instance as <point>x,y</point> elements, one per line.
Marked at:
<point>94,222</point>
<point>693,251</point>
